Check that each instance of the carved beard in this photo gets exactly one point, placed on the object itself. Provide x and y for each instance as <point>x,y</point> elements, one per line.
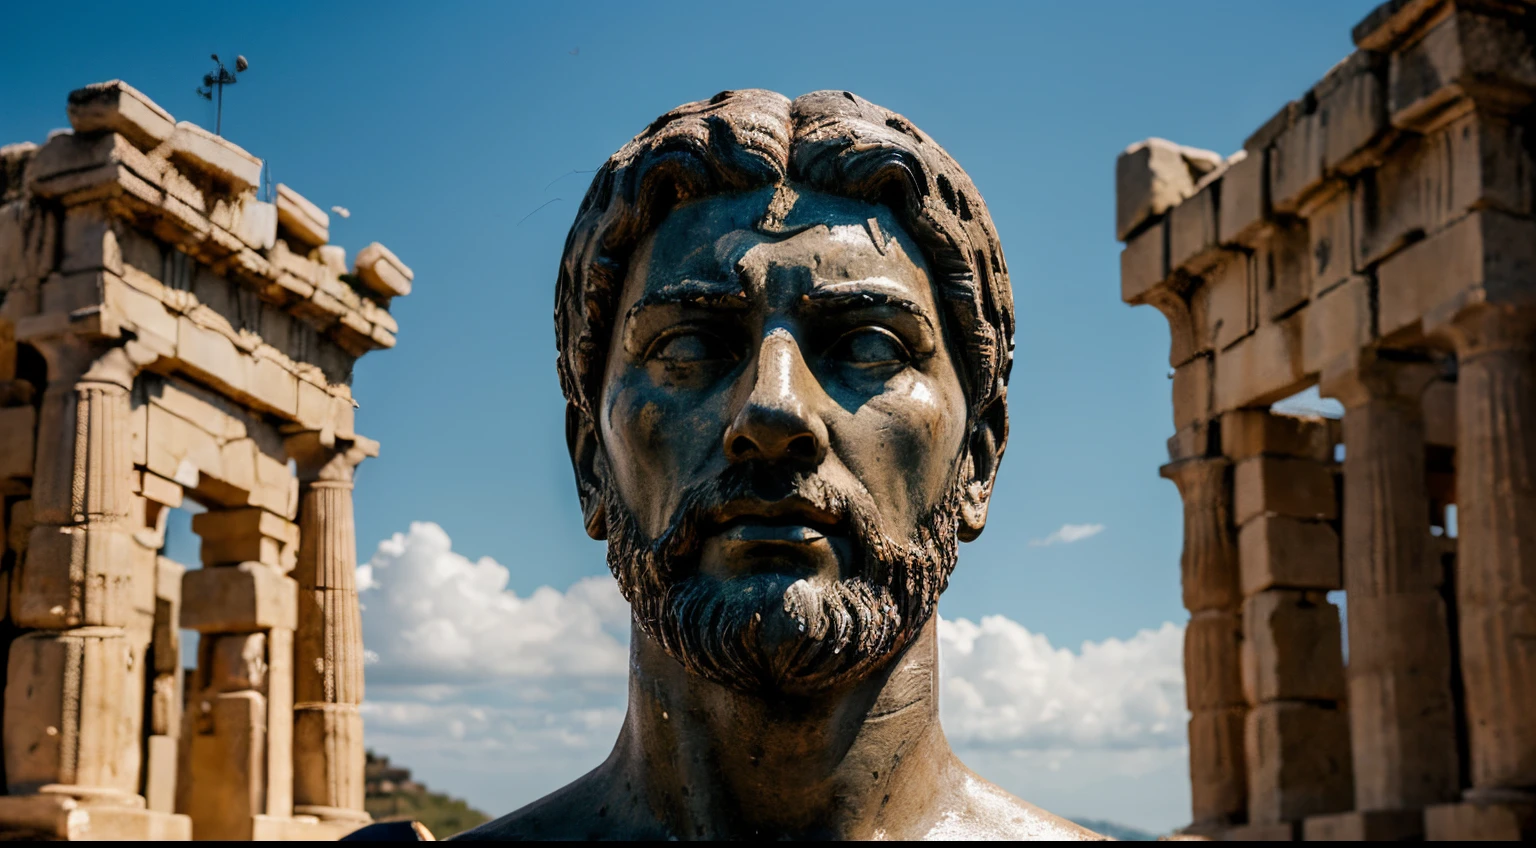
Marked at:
<point>768,633</point>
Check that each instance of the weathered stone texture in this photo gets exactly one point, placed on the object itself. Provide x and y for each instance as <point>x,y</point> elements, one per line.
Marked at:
<point>1296,488</point>
<point>1472,821</point>
<point>383,272</point>
<point>1496,556</point>
<point>1279,552</point>
<point>303,221</point>
<point>119,107</point>
<point>1153,176</point>
<point>191,333</point>
<point>1217,771</point>
<point>1281,272</point>
<point>1365,826</point>
<point>1244,206</point>
<point>1263,367</point>
<point>1292,648</point>
<point>1298,761</point>
<point>1248,433</point>
<point>1212,659</point>
<point>1375,239</point>
<point>1352,111</point>
<point>1210,575</point>
<point>1232,312</point>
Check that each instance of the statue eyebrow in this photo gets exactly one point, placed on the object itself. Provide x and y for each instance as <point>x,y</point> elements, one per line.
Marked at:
<point>845,297</point>
<point>707,294</point>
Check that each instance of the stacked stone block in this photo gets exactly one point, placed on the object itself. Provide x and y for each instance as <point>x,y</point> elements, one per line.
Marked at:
<point>167,336</point>
<point>1376,238</point>
<point>1296,735</point>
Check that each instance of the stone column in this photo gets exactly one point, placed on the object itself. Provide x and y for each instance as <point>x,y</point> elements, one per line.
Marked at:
<point>1211,643</point>
<point>74,695</point>
<point>1284,504</point>
<point>1496,557</point>
<point>68,726</point>
<point>328,646</point>
<point>239,753</point>
<point>1402,712</point>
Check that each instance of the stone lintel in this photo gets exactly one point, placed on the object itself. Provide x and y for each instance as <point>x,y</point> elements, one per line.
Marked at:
<point>1483,259</point>
<point>1379,375</point>
<point>1248,433</point>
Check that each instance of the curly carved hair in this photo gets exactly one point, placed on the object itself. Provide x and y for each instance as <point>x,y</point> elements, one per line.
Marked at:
<point>831,141</point>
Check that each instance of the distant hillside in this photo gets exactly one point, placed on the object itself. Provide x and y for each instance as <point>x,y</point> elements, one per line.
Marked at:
<point>393,795</point>
<point>1124,833</point>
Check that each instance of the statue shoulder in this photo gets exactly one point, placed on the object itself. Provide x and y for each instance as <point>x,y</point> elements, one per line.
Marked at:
<point>984,811</point>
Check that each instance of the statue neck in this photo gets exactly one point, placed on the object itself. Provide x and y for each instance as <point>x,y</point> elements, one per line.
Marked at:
<point>859,762</point>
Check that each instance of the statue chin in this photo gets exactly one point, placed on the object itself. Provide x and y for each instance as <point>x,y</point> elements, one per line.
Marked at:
<point>773,632</point>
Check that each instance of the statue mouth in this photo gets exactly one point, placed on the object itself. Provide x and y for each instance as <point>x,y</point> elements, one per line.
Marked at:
<point>791,519</point>
<point>792,535</point>
<point>746,530</point>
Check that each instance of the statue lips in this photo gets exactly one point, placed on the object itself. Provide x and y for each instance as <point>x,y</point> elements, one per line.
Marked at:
<point>755,535</point>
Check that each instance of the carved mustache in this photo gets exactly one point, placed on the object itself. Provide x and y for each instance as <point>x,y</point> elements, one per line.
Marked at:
<point>775,495</point>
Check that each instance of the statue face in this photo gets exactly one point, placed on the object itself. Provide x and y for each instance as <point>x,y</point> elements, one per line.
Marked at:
<point>782,429</point>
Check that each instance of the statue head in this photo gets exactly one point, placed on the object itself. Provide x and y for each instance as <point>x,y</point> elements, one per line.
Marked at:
<point>785,330</point>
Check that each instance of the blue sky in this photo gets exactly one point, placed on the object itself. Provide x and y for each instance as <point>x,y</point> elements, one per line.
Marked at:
<point>450,130</point>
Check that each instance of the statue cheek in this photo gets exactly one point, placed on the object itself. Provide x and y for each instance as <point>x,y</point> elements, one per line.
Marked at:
<point>921,425</point>
<point>921,417</point>
<point>651,432</point>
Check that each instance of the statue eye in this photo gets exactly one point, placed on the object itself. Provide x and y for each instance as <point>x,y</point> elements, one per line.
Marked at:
<point>871,346</point>
<point>690,347</point>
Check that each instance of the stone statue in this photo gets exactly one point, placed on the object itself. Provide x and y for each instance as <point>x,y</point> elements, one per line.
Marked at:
<point>785,331</point>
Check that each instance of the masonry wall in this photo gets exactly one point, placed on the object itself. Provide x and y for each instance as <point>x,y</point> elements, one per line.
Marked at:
<point>167,336</point>
<point>1376,239</point>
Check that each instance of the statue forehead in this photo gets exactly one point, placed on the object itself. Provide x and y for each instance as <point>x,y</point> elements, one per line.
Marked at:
<point>839,237</point>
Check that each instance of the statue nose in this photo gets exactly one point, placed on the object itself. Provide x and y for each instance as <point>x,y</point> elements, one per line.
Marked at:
<point>776,424</point>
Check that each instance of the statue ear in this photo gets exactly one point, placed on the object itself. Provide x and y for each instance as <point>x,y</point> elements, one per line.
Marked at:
<point>984,451</point>
<point>591,467</point>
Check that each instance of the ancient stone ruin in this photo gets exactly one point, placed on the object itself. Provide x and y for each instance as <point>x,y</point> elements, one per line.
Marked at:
<point>166,337</point>
<point>1375,239</point>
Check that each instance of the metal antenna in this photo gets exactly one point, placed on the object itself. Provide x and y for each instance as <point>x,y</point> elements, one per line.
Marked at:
<point>213,84</point>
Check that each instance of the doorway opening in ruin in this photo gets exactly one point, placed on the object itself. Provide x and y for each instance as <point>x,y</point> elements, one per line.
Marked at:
<point>183,546</point>
<point>169,647</point>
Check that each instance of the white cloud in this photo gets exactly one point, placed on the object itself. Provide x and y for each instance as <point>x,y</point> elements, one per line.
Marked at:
<point>433,616</point>
<point>1003,686</point>
<point>500,699</point>
<point>1067,534</point>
